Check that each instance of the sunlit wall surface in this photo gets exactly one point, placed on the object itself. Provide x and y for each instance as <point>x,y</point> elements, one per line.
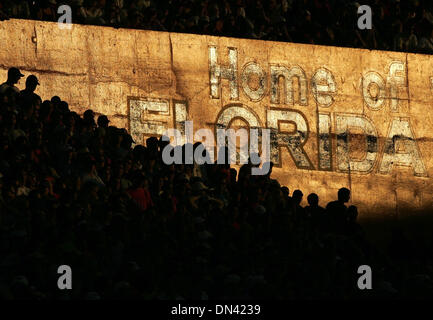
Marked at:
<point>338,117</point>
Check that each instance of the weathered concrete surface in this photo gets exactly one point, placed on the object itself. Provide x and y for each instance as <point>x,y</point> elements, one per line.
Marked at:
<point>164,78</point>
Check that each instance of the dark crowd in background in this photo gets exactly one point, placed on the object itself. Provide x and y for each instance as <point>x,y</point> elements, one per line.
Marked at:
<point>399,25</point>
<point>76,191</point>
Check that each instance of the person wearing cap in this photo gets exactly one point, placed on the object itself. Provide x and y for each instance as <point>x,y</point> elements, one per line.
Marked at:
<point>28,95</point>
<point>14,76</point>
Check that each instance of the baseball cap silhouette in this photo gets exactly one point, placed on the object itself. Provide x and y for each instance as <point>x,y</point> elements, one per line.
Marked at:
<point>14,72</point>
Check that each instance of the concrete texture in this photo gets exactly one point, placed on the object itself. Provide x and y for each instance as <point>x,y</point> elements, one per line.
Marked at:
<point>371,108</point>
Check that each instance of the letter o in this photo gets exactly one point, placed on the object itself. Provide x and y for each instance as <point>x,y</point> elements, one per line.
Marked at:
<point>250,69</point>
<point>374,103</point>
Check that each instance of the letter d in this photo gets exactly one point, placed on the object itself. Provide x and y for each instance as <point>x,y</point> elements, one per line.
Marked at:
<point>219,309</point>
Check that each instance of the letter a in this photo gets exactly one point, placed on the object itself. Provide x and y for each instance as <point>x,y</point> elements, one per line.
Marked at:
<point>364,21</point>
<point>65,280</point>
<point>65,20</point>
<point>364,281</point>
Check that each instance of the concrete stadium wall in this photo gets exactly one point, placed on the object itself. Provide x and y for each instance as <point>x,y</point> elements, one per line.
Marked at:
<point>338,116</point>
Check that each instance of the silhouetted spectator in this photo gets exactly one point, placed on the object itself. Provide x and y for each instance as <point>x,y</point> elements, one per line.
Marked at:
<point>14,76</point>
<point>140,193</point>
<point>28,95</point>
<point>299,212</point>
<point>315,212</point>
<point>337,210</point>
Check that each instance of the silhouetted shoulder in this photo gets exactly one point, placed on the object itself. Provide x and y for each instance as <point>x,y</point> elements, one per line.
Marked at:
<point>332,205</point>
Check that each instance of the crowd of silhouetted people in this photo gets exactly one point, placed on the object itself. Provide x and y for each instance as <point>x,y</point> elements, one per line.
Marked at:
<point>75,191</point>
<point>399,25</point>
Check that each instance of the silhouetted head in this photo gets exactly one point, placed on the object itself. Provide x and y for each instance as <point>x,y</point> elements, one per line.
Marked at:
<point>32,82</point>
<point>127,141</point>
<point>313,199</point>
<point>163,142</point>
<point>103,121</point>
<point>297,196</point>
<point>63,106</point>
<point>14,75</point>
<point>344,195</point>
<point>89,118</point>
<point>88,114</point>
<point>152,144</point>
<point>55,99</point>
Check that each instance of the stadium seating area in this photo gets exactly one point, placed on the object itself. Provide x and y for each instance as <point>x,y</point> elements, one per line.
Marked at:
<point>74,191</point>
<point>399,25</point>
